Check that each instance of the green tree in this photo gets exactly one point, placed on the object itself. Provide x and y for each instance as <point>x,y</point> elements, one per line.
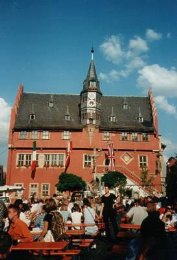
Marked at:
<point>146,180</point>
<point>114,179</point>
<point>70,182</point>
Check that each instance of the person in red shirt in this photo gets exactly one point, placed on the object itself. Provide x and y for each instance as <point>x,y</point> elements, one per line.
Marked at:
<point>18,230</point>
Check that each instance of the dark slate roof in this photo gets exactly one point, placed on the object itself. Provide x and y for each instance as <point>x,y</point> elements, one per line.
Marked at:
<point>54,117</point>
<point>126,119</point>
<point>48,117</point>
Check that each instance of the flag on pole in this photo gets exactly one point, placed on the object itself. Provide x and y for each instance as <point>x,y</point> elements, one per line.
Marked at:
<point>33,162</point>
<point>68,155</point>
<point>111,157</point>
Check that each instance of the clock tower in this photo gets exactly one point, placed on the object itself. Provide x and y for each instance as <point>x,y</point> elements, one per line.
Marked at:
<point>91,97</point>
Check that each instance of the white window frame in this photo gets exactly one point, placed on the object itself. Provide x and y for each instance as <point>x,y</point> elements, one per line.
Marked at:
<point>112,119</point>
<point>106,136</point>
<point>20,161</point>
<point>19,193</point>
<point>54,159</point>
<point>23,135</point>
<point>145,137</point>
<point>87,160</point>
<point>34,135</point>
<point>43,190</point>
<point>66,135</point>
<point>143,161</point>
<point>124,136</point>
<point>45,135</point>
<point>27,159</point>
<point>134,137</point>
<point>36,190</point>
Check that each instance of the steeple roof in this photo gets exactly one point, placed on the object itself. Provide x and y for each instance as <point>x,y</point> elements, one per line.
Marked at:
<point>91,77</point>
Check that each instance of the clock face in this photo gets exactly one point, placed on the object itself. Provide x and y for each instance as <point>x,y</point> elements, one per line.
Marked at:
<point>91,95</point>
<point>91,103</point>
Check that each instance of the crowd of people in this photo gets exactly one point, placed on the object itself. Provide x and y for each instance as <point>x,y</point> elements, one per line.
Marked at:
<point>19,220</point>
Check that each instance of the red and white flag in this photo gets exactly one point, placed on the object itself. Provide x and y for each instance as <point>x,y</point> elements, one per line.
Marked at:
<point>33,162</point>
<point>68,155</point>
<point>111,157</point>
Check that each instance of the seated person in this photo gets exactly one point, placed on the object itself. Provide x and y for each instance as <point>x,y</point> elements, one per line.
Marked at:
<point>89,217</point>
<point>5,244</point>
<point>153,243</point>
<point>76,215</point>
<point>18,230</point>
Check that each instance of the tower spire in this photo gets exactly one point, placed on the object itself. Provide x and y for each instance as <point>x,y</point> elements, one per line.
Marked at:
<point>92,53</point>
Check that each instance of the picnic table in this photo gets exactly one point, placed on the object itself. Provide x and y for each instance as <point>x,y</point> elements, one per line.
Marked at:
<point>129,226</point>
<point>41,246</point>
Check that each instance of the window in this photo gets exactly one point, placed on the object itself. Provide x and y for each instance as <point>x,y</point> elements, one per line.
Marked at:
<point>54,160</point>
<point>32,116</point>
<point>87,160</point>
<point>23,135</point>
<point>66,135</point>
<point>140,119</point>
<point>112,119</point>
<point>19,192</point>
<point>134,137</point>
<point>106,136</point>
<point>46,159</point>
<point>125,106</point>
<point>45,189</point>
<point>67,117</point>
<point>34,135</point>
<point>124,136</point>
<point>45,135</point>
<point>144,137</point>
<point>33,188</point>
<point>25,160</point>
<point>143,163</point>
<point>21,159</point>
<point>28,160</point>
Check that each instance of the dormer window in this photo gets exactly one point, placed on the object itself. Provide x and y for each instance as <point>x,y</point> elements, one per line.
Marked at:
<point>125,106</point>
<point>112,119</point>
<point>67,117</point>
<point>50,103</point>
<point>140,119</point>
<point>32,116</point>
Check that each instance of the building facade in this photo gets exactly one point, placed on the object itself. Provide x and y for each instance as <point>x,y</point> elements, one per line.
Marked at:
<point>91,121</point>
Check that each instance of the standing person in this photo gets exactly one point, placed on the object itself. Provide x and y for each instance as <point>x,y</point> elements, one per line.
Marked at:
<point>108,212</point>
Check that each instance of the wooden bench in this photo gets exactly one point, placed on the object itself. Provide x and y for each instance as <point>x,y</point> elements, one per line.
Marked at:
<point>126,235</point>
<point>67,252</point>
<point>120,250</point>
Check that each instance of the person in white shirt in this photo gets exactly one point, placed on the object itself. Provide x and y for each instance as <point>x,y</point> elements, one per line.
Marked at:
<point>89,218</point>
<point>76,215</point>
<point>137,213</point>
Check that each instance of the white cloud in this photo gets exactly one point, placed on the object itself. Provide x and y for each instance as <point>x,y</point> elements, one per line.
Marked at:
<point>4,120</point>
<point>135,63</point>
<point>171,147</point>
<point>151,35</point>
<point>168,35</point>
<point>163,103</point>
<point>112,49</point>
<point>162,80</point>
<point>138,45</point>
<point>103,76</point>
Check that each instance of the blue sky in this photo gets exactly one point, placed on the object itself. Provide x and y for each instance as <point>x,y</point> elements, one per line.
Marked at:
<point>46,44</point>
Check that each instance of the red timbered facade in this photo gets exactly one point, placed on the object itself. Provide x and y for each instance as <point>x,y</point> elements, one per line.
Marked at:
<point>85,134</point>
